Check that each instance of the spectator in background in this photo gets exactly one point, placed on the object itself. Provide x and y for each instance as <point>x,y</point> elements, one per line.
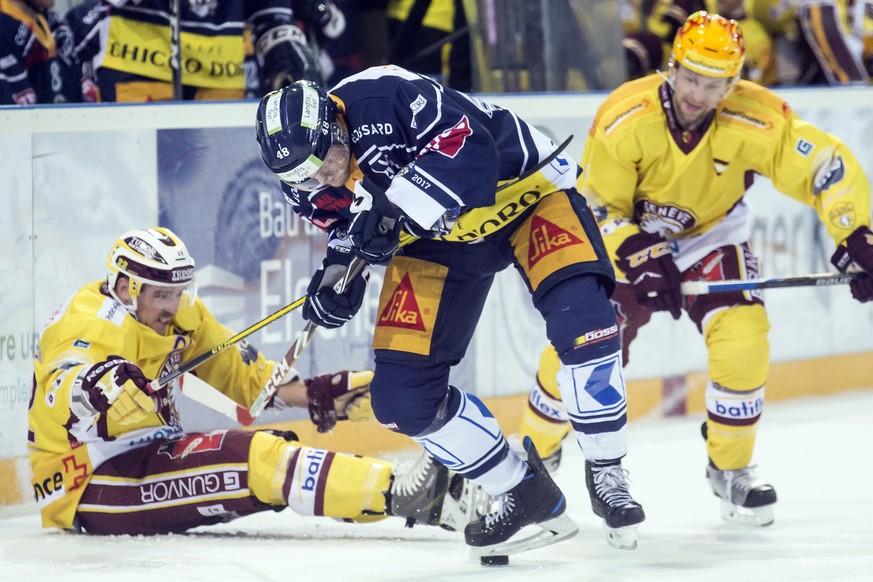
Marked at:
<point>839,37</point>
<point>37,64</point>
<point>422,38</point>
<point>124,42</point>
<point>643,53</point>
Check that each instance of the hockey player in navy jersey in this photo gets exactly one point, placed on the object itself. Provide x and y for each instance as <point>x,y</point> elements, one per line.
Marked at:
<point>389,155</point>
<point>37,64</point>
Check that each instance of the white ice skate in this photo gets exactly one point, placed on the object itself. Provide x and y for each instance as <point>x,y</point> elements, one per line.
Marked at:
<point>745,498</point>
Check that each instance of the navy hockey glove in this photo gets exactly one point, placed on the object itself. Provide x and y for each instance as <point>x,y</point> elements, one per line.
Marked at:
<point>374,231</point>
<point>647,262</point>
<point>854,255</point>
<point>324,306</point>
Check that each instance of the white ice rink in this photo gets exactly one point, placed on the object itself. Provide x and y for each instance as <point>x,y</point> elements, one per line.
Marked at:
<point>817,452</point>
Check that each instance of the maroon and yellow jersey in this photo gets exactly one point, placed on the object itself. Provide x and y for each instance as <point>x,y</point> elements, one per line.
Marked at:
<point>642,171</point>
<point>90,326</point>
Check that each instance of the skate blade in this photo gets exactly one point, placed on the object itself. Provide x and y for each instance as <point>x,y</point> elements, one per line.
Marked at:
<point>750,516</point>
<point>621,538</point>
<point>550,532</point>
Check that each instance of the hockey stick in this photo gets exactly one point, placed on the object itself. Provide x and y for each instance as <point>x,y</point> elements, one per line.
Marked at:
<point>176,48</point>
<point>353,269</point>
<point>246,416</point>
<point>813,280</point>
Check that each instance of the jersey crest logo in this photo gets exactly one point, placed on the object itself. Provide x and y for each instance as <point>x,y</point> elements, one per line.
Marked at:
<point>402,310</point>
<point>720,166</point>
<point>198,443</point>
<point>450,142</point>
<point>546,238</point>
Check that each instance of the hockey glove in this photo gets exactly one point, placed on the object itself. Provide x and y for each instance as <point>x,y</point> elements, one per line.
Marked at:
<point>374,231</point>
<point>341,396</point>
<point>856,255</point>
<point>324,306</point>
<point>284,57</point>
<point>655,280</point>
<point>116,388</point>
<point>321,13</point>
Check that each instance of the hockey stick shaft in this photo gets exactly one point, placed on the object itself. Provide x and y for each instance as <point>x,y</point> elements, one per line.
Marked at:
<point>280,370</point>
<point>159,383</point>
<point>813,280</point>
<point>176,48</point>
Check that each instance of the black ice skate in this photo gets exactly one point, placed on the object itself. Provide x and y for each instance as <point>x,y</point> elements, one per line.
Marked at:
<point>418,490</point>
<point>428,493</point>
<point>745,498</point>
<point>536,500</point>
<point>610,499</point>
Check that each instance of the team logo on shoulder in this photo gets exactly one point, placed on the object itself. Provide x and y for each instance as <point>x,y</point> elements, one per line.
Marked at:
<point>803,147</point>
<point>452,140</point>
<point>402,309</point>
<point>417,106</point>
<point>546,238</point>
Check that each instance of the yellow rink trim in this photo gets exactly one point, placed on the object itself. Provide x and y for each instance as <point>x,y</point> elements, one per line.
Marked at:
<point>646,399</point>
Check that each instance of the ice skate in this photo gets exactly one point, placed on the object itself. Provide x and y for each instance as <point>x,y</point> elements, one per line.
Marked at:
<point>536,500</point>
<point>745,498</point>
<point>428,493</point>
<point>464,502</point>
<point>418,491</point>
<point>610,499</point>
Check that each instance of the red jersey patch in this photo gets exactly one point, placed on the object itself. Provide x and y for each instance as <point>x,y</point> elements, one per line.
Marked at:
<point>450,142</point>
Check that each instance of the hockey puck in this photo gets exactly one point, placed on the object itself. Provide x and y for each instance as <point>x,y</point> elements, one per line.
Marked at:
<point>494,560</point>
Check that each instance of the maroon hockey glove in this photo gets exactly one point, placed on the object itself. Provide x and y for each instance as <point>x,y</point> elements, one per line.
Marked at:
<point>340,396</point>
<point>116,388</point>
<point>856,254</point>
<point>647,262</point>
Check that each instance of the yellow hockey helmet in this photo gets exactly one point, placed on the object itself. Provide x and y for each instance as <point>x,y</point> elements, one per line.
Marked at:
<point>155,256</point>
<point>711,45</point>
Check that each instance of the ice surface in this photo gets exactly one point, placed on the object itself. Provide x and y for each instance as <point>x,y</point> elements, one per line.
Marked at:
<point>817,452</point>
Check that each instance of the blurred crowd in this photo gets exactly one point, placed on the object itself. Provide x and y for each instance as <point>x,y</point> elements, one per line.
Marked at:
<point>157,50</point>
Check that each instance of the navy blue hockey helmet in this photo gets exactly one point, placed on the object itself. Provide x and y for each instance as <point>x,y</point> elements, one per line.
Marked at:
<point>296,128</point>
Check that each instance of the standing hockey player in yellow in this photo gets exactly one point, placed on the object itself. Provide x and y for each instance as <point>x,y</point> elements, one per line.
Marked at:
<point>110,457</point>
<point>666,167</point>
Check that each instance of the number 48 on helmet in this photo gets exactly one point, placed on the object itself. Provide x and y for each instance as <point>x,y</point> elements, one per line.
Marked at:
<point>297,126</point>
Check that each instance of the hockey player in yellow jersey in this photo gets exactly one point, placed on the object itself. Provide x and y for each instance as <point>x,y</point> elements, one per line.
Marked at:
<point>666,166</point>
<point>109,456</point>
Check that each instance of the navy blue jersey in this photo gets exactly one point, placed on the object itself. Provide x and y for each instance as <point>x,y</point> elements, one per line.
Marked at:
<point>37,64</point>
<point>428,148</point>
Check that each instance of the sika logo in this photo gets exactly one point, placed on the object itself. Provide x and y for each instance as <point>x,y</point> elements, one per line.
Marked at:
<point>546,238</point>
<point>402,310</point>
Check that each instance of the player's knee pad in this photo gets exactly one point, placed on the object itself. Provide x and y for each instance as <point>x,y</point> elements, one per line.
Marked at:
<point>406,399</point>
<point>732,418</point>
<point>739,353</point>
<point>544,419</point>
<point>580,319</point>
<point>595,398</point>
<point>470,442</point>
<point>316,481</point>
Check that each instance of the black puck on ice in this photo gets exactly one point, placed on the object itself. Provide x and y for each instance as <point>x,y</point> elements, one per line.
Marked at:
<point>494,560</point>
